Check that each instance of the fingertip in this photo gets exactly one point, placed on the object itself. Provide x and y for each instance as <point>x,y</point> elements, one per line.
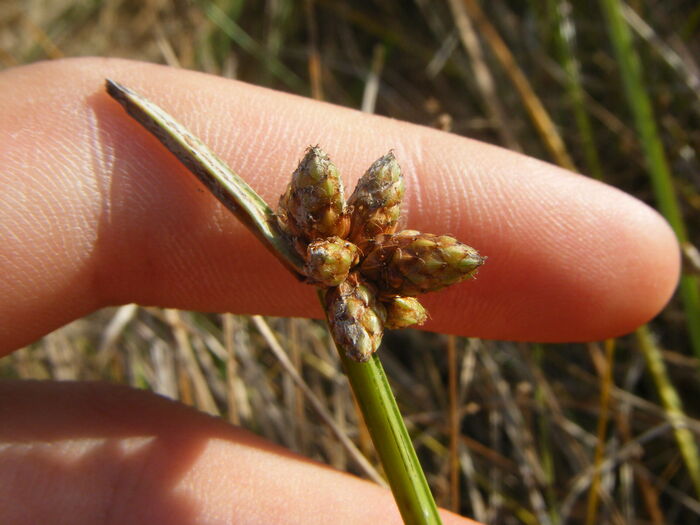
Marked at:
<point>641,278</point>
<point>569,258</point>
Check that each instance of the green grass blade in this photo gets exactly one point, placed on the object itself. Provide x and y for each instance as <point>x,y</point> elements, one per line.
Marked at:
<point>659,172</point>
<point>227,186</point>
<point>672,405</point>
<point>565,35</point>
<point>544,439</point>
<point>244,40</point>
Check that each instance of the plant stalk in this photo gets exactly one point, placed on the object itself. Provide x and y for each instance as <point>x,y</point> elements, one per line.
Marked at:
<point>672,405</point>
<point>368,380</point>
<point>390,437</point>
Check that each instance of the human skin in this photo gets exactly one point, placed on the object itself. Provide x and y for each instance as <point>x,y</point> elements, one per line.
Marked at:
<point>95,212</point>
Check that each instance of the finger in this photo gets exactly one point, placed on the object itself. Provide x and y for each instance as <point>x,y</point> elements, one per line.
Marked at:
<point>97,453</point>
<point>95,211</point>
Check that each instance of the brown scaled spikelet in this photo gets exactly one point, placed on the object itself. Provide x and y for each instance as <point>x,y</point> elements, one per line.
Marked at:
<point>376,202</point>
<point>356,317</point>
<point>402,312</point>
<point>328,261</point>
<point>313,206</point>
<point>370,274</point>
<point>411,263</point>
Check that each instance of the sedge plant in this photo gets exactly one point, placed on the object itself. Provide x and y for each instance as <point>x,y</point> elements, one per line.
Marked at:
<point>367,274</point>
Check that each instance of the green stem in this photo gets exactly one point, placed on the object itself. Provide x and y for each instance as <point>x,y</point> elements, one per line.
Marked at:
<point>391,439</point>
<point>659,172</point>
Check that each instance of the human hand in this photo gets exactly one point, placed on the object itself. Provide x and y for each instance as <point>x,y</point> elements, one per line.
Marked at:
<point>95,212</point>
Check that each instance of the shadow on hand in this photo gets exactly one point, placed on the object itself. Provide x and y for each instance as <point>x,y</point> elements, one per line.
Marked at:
<point>78,452</point>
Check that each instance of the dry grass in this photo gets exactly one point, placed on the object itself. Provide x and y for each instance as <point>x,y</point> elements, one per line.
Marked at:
<point>508,433</point>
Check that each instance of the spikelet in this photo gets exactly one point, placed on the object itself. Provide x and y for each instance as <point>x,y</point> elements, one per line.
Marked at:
<point>402,312</point>
<point>411,263</point>
<point>371,273</point>
<point>356,318</point>
<point>376,202</point>
<point>328,261</point>
<point>313,206</point>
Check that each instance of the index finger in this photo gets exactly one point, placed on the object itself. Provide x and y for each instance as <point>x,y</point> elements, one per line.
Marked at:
<point>95,211</point>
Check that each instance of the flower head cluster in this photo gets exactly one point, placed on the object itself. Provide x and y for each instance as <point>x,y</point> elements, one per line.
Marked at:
<point>372,274</point>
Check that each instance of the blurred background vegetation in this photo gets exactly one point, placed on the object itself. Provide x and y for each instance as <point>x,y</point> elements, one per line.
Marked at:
<point>604,432</point>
